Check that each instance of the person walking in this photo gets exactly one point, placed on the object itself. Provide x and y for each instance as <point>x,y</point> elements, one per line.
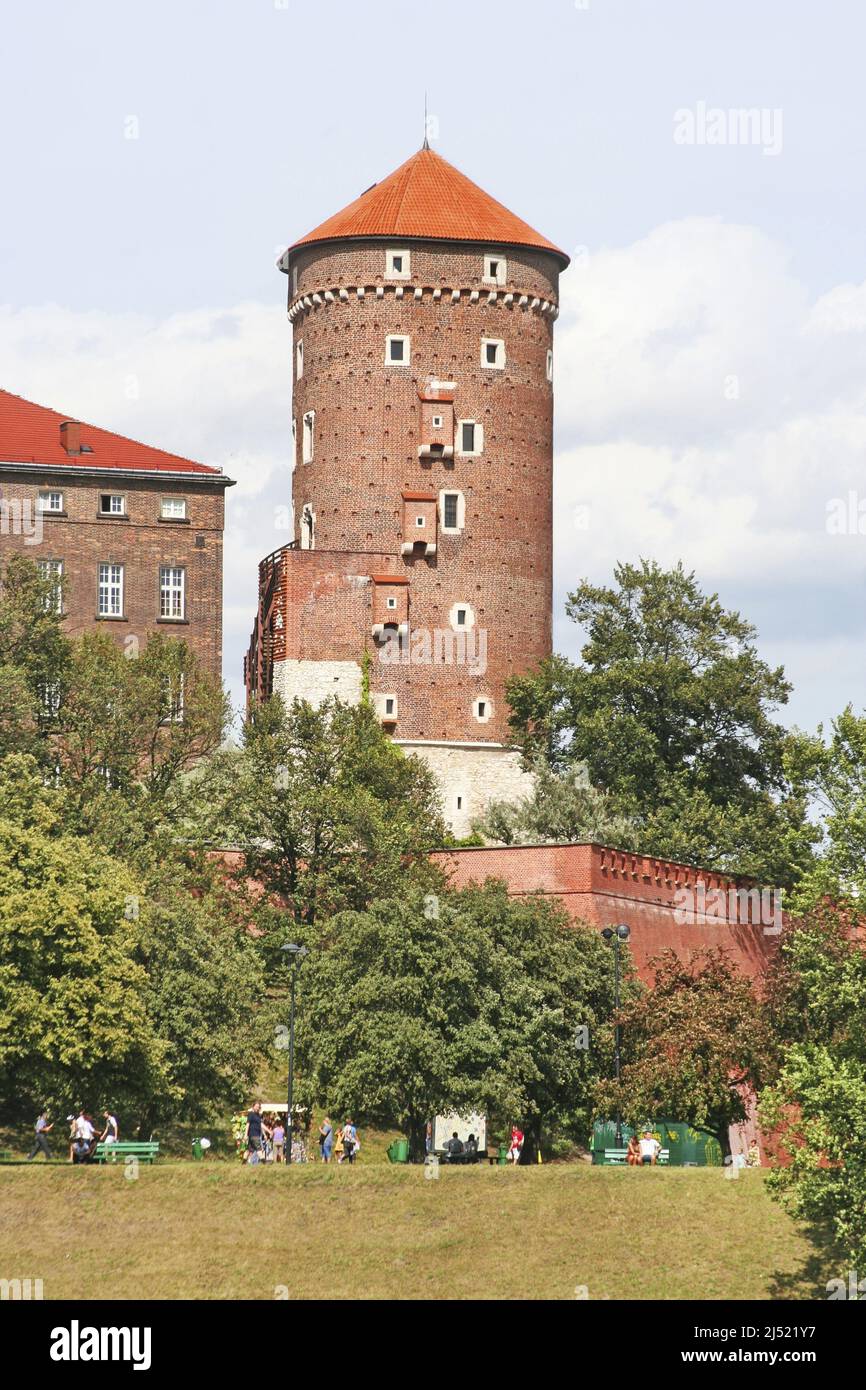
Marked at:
<point>41,1144</point>
<point>111,1133</point>
<point>350,1141</point>
<point>255,1133</point>
<point>339,1151</point>
<point>326,1139</point>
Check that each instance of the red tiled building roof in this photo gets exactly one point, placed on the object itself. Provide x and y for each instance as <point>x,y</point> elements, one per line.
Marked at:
<point>31,433</point>
<point>428,199</point>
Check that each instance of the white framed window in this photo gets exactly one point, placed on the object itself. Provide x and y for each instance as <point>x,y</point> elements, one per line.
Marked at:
<point>294,279</point>
<point>397,264</point>
<point>49,699</point>
<point>438,422</point>
<point>550,364</point>
<point>51,571</point>
<point>462,617</point>
<point>398,350</point>
<point>173,691</point>
<point>390,603</point>
<point>308,527</point>
<point>172,591</point>
<point>309,443</point>
<point>110,595</point>
<point>50,501</point>
<point>294,444</point>
<point>452,509</point>
<point>492,353</point>
<point>173,508</point>
<point>470,437</point>
<point>112,504</point>
<point>482,709</point>
<point>495,270</point>
<point>420,521</point>
<point>299,360</point>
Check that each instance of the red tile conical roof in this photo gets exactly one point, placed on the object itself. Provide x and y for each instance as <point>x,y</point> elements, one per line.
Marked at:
<point>428,199</point>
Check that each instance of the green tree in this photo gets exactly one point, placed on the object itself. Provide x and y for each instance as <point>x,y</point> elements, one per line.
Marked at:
<point>328,812</point>
<point>427,1004</point>
<point>695,1047</point>
<point>817,1104</point>
<point>671,712</point>
<point>562,807</point>
<point>74,1026</point>
<point>204,995</point>
<point>135,721</point>
<point>33,655</point>
<point>835,774</point>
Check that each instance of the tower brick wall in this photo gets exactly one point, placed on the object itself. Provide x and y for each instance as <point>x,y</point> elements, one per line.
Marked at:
<point>422,413</point>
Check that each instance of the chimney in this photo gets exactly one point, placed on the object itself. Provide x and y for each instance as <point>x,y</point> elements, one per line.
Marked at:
<point>70,436</point>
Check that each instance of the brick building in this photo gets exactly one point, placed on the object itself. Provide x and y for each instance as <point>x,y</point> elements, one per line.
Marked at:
<point>135,533</point>
<point>422,420</point>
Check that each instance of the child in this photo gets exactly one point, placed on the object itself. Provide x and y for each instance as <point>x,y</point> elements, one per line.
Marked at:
<point>279,1137</point>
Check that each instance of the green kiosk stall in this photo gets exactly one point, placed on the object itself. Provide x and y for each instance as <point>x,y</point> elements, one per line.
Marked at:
<point>687,1147</point>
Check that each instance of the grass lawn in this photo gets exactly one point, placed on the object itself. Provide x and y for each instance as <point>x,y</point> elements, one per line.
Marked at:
<point>216,1230</point>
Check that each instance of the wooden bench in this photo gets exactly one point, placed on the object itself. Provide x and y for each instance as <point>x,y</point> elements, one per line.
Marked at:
<point>620,1156</point>
<point>110,1153</point>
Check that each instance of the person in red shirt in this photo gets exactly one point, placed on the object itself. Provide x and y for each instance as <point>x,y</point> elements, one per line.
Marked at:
<point>516,1148</point>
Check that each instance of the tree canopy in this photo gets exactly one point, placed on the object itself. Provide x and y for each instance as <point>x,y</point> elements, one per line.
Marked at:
<point>328,812</point>
<point>671,711</point>
<point>695,1047</point>
<point>433,1003</point>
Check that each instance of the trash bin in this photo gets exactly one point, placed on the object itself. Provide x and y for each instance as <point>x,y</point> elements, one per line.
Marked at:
<point>197,1150</point>
<point>398,1151</point>
<point>503,1155</point>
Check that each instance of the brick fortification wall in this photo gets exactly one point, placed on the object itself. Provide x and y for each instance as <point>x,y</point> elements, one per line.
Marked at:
<point>666,905</point>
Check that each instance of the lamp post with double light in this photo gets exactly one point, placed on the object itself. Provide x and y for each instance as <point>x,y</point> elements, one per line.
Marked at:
<point>616,935</point>
<point>295,955</point>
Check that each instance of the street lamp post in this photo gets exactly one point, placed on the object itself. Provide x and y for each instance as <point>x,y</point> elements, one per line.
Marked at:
<point>296,955</point>
<point>621,933</point>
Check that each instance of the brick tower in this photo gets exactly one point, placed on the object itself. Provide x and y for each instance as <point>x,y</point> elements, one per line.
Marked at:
<point>422,421</point>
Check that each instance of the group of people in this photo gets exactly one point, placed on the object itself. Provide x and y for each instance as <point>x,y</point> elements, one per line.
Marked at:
<point>265,1140</point>
<point>458,1152</point>
<point>342,1144</point>
<point>643,1150</point>
<point>83,1135</point>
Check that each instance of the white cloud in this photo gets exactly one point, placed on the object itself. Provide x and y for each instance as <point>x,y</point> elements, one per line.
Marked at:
<point>213,385</point>
<point>707,411</point>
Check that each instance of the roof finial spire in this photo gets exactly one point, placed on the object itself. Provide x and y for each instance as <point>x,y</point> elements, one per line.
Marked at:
<point>426,144</point>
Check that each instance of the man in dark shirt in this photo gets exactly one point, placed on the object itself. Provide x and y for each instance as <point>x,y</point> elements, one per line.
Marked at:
<point>454,1147</point>
<point>255,1128</point>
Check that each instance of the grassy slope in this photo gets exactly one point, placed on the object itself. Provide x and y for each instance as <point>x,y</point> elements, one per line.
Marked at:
<point>219,1231</point>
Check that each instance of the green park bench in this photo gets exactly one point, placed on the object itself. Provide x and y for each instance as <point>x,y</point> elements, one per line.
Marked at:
<point>620,1155</point>
<point>111,1153</point>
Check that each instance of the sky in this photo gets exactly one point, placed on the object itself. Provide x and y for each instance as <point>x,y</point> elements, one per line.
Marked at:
<point>710,356</point>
